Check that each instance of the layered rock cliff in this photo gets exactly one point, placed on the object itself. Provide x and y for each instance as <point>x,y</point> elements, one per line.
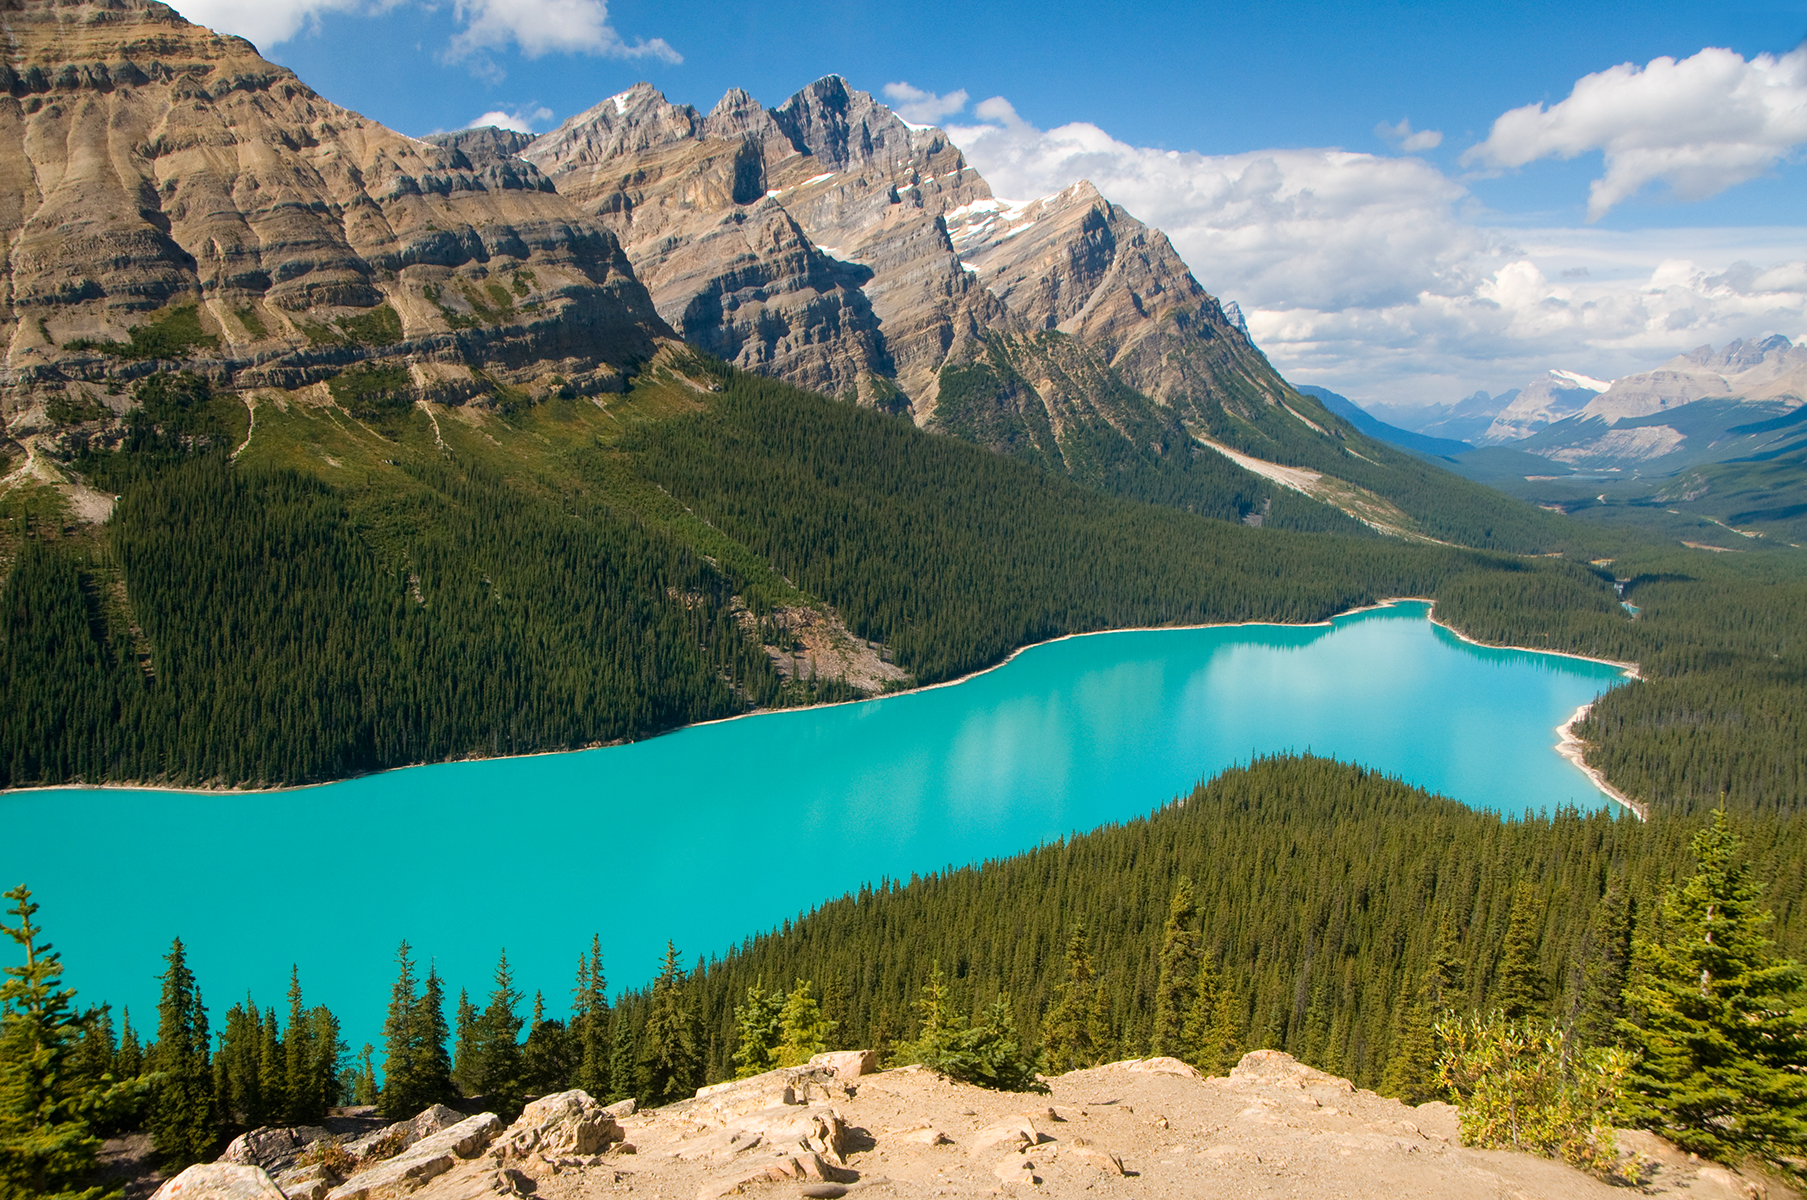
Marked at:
<point>167,195</point>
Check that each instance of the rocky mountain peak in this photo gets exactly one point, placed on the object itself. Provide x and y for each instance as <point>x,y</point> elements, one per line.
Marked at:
<point>843,128</point>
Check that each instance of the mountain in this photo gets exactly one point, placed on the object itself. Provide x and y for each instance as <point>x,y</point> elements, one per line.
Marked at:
<point>1773,370</point>
<point>168,195</point>
<point>1551,397</point>
<point>1374,427</point>
<point>1463,421</point>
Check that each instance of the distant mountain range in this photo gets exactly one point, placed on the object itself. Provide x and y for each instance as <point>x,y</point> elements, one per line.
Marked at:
<point>1718,431</point>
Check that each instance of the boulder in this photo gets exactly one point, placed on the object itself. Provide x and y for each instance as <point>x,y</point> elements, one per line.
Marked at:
<point>1276,1068</point>
<point>428,1158</point>
<point>1011,1133</point>
<point>847,1064</point>
<point>1163,1065</point>
<point>220,1181</point>
<point>563,1125</point>
<point>1016,1170</point>
<point>818,1129</point>
<point>392,1140</point>
<point>311,1182</point>
<point>621,1108</point>
<point>922,1135</point>
<point>770,1170</point>
<point>273,1148</point>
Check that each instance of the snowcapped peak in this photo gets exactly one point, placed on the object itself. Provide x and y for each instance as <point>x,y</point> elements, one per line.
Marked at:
<point>1576,379</point>
<point>1232,313</point>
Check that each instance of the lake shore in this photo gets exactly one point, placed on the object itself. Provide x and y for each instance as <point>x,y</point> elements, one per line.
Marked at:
<point>1569,746</point>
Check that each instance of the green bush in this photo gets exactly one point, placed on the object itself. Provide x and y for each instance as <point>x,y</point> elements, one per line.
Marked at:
<point>373,393</point>
<point>988,1054</point>
<point>1526,1086</point>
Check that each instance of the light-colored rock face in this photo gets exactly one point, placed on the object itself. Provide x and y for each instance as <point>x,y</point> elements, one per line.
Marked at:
<point>1773,369</point>
<point>830,244</point>
<point>1151,1129</point>
<point>147,163</point>
<point>219,1181</point>
<point>1551,397</point>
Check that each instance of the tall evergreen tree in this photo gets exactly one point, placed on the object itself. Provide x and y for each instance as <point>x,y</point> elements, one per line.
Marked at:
<point>272,1068</point>
<point>299,1056</point>
<point>184,1127</point>
<point>325,1080</point>
<point>547,1061</point>
<point>756,1023</point>
<point>1178,977</point>
<point>1606,968</point>
<point>1195,1039</point>
<point>466,1071</point>
<point>803,1032</point>
<point>1720,1020</point>
<point>668,1066</point>
<point>1520,989</point>
<point>499,1073</point>
<point>128,1060</point>
<point>1069,1030</point>
<point>364,1089</point>
<point>46,1145</point>
<point>398,1100</point>
<point>431,1066</point>
<point>624,1057</point>
<point>237,1079</point>
<point>590,1022</point>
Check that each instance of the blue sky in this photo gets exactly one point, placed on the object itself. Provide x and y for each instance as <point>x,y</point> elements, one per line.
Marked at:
<point>1103,89</point>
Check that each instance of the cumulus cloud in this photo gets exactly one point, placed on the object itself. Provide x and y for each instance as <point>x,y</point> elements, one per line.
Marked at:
<point>1371,275</point>
<point>1700,124</point>
<point>923,108</point>
<point>1406,138</point>
<point>541,27</point>
<point>271,22</point>
<point>521,120</point>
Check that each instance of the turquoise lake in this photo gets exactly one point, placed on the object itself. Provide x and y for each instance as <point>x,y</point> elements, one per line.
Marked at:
<point>715,832</point>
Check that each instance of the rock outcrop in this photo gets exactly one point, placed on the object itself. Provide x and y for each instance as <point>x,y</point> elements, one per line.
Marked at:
<point>1774,369</point>
<point>169,196</point>
<point>425,1160</point>
<point>219,1181</point>
<point>1150,1127</point>
<point>828,243</point>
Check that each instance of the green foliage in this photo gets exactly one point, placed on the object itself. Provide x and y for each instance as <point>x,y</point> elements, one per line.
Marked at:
<point>498,1071</point>
<point>988,1053</point>
<point>381,326</point>
<point>67,408</point>
<point>1524,1086</point>
<point>465,1055</point>
<point>168,336</point>
<point>756,1025</point>
<point>1072,1032</point>
<point>379,393</point>
<point>184,1121</point>
<point>1721,1022</point>
<point>1176,988</point>
<point>416,1072</point>
<point>668,1066</point>
<point>1521,990</point>
<point>252,321</point>
<point>803,1032</point>
<point>590,1020</point>
<point>548,1058</point>
<point>47,1147</point>
<point>311,1058</point>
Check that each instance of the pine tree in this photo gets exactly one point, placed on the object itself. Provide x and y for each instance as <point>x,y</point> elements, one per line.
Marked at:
<point>1195,1037</point>
<point>46,1145</point>
<point>431,1066</point>
<point>1719,1019</point>
<point>1224,1050</point>
<point>466,1072</point>
<point>1178,973</point>
<point>325,1081</point>
<point>1606,968</point>
<point>1069,1030</point>
<point>802,1029</point>
<point>183,1124</point>
<point>236,1079</point>
<point>1520,989</point>
<point>624,1058</point>
<point>590,1022</point>
<point>299,1056</point>
<point>272,1068</point>
<point>128,1060</point>
<point>668,1052</point>
<point>547,1063</point>
<point>499,1073</point>
<point>400,1057</point>
<point>756,1024</point>
<point>364,1090</point>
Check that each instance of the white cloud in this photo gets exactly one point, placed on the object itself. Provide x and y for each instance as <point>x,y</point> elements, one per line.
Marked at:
<point>1406,138</point>
<point>920,107</point>
<point>541,27</point>
<point>1371,274</point>
<point>1701,124</point>
<point>521,120</point>
<point>270,22</point>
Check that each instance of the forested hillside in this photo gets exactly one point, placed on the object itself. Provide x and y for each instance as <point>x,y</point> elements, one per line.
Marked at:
<point>1325,895</point>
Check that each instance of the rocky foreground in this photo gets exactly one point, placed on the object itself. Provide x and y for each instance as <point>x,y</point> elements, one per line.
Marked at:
<point>1144,1128</point>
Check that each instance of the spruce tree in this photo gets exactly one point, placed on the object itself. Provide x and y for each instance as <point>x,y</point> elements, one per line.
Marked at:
<point>499,1073</point>
<point>364,1090</point>
<point>1520,989</point>
<point>431,1067</point>
<point>326,1083</point>
<point>668,1052</point>
<point>1720,1021</point>
<point>466,1072</point>
<point>272,1068</point>
<point>1178,973</point>
<point>1606,968</point>
<point>803,1032</point>
<point>1224,1049</point>
<point>624,1057</point>
<point>299,1055</point>
<point>399,1053</point>
<point>1195,1037</point>
<point>46,1145</point>
<point>1069,1030</point>
<point>128,1060</point>
<point>590,1020</point>
<point>183,1123</point>
<point>546,1060</point>
<point>236,1077</point>
<point>756,1024</point>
